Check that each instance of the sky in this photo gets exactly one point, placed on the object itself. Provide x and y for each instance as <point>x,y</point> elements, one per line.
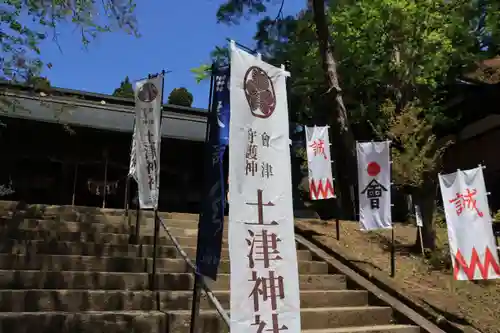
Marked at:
<point>175,35</point>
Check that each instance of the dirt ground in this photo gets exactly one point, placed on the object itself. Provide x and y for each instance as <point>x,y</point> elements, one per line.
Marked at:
<point>423,280</point>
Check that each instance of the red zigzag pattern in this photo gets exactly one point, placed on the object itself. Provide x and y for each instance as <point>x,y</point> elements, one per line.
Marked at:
<point>317,191</point>
<point>469,270</point>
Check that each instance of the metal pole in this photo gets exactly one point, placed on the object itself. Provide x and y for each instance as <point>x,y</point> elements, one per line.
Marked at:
<point>126,196</point>
<point>74,184</point>
<point>105,179</point>
<point>337,194</point>
<point>195,308</point>
<point>393,254</point>
<point>393,247</point>
<point>157,222</point>
<point>152,285</point>
<point>137,219</point>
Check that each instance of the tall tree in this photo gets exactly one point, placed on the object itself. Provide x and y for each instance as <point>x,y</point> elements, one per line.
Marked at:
<point>406,53</point>
<point>24,24</point>
<point>180,96</point>
<point>335,112</point>
<point>125,90</point>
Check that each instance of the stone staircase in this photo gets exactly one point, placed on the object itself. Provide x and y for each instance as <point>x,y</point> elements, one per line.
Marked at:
<point>74,269</point>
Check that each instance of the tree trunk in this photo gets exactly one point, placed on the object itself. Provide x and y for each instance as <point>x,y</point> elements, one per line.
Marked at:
<point>337,115</point>
<point>426,199</point>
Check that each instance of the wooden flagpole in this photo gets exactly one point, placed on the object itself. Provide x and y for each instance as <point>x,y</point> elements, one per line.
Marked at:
<point>421,240</point>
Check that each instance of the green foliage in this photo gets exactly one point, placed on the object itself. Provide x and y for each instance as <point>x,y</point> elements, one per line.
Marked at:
<point>439,218</point>
<point>397,56</point>
<point>440,259</point>
<point>39,83</point>
<point>496,217</point>
<point>415,152</point>
<point>24,24</point>
<point>403,49</point>
<point>125,90</point>
<point>219,56</point>
<point>180,96</point>
<point>233,10</point>
<point>202,72</point>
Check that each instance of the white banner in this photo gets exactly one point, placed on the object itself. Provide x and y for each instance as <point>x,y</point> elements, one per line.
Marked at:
<point>319,163</point>
<point>265,293</point>
<point>374,185</point>
<point>470,234</point>
<point>147,137</point>
<point>132,169</point>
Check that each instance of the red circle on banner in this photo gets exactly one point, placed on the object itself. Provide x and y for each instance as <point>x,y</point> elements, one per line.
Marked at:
<point>373,169</point>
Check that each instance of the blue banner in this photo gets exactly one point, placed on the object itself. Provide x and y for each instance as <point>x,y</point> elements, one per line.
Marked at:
<point>211,222</point>
<point>221,97</point>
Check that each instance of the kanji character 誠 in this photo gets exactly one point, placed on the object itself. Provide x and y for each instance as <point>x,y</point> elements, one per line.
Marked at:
<point>466,200</point>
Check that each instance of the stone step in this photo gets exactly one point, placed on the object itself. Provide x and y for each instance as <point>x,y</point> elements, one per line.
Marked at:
<point>107,300</point>
<point>34,279</point>
<point>370,329</point>
<point>103,238</point>
<point>123,264</point>
<point>84,322</point>
<point>311,318</point>
<point>106,250</point>
<point>63,226</point>
<point>176,227</point>
<point>68,211</point>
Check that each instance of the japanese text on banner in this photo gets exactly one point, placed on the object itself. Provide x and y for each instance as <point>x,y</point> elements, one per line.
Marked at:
<point>261,238</point>
<point>470,234</point>
<point>147,137</point>
<point>319,163</point>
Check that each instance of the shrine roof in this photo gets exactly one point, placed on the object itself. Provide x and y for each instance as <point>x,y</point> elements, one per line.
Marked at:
<point>99,111</point>
<point>92,97</point>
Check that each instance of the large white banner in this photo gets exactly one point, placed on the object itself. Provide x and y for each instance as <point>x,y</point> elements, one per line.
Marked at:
<point>264,272</point>
<point>319,163</point>
<point>374,185</point>
<point>147,140</point>
<point>132,169</point>
<point>470,234</point>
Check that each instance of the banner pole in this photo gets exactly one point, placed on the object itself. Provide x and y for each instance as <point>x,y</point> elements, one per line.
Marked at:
<point>105,179</point>
<point>74,184</point>
<point>126,196</point>
<point>137,218</point>
<point>393,253</point>
<point>155,211</point>
<point>195,308</point>
<point>337,192</point>
<point>393,247</point>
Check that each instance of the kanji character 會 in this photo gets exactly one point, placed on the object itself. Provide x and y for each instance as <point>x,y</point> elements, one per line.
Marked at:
<point>373,192</point>
<point>265,139</point>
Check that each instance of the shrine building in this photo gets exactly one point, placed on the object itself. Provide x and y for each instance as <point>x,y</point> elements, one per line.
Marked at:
<point>64,147</point>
